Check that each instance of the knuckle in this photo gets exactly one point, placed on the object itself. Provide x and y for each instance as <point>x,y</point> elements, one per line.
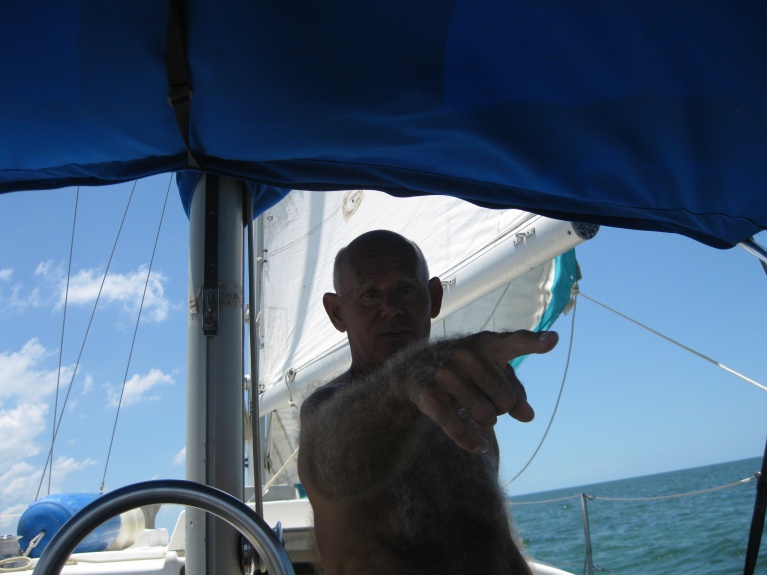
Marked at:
<point>429,398</point>
<point>505,402</point>
<point>486,416</point>
<point>461,356</point>
<point>460,434</point>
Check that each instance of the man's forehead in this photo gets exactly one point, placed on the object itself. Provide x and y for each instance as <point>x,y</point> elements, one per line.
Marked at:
<point>365,279</point>
<point>383,258</point>
<point>380,266</point>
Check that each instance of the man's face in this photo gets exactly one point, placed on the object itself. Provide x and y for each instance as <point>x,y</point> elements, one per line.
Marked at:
<point>384,302</point>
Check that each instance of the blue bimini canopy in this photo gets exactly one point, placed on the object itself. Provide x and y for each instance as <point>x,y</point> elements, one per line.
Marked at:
<point>648,115</point>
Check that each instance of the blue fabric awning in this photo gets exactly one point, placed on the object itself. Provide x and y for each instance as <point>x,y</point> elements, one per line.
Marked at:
<point>646,115</point>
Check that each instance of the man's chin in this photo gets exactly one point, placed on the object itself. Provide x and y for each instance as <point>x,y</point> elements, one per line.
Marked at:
<point>392,343</point>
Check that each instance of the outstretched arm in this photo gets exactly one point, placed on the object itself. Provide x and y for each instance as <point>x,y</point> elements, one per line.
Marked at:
<point>476,376</point>
<point>354,435</point>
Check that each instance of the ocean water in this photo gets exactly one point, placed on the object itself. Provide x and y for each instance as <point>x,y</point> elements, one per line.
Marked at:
<point>703,534</point>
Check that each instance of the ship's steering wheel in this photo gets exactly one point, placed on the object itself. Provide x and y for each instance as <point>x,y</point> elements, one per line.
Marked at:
<point>176,491</point>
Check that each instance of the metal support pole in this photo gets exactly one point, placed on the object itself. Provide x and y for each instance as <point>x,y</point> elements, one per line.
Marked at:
<point>215,368</point>
<point>757,519</point>
<point>754,249</point>
<point>588,565</point>
<point>255,249</point>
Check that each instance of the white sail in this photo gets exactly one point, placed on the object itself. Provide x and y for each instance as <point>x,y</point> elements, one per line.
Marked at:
<point>497,267</point>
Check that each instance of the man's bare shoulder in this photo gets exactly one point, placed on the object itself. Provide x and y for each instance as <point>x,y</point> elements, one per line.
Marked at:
<point>324,393</point>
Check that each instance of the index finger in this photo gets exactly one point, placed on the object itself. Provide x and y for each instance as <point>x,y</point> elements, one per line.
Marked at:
<point>512,344</point>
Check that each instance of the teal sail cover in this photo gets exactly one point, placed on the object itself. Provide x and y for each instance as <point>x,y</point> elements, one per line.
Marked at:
<point>647,115</point>
<point>566,275</point>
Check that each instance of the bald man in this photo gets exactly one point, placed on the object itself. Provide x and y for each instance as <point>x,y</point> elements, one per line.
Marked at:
<point>398,455</point>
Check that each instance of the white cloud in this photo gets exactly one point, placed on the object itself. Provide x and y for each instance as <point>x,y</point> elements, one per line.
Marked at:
<point>126,289</point>
<point>19,428</point>
<point>20,375</point>
<point>64,465</point>
<point>87,385</point>
<point>47,269</point>
<point>180,457</point>
<point>20,300</point>
<point>22,296</point>
<point>25,389</point>
<point>24,424</point>
<point>139,388</point>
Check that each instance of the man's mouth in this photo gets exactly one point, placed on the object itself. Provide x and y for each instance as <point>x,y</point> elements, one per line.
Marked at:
<point>396,332</point>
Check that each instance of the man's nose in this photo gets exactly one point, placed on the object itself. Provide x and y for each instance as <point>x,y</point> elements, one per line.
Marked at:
<point>391,304</point>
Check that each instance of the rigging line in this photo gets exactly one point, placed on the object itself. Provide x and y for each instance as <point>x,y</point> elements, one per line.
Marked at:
<point>594,497</point>
<point>544,500</point>
<point>63,329</point>
<point>700,355</point>
<point>674,496</point>
<point>492,313</point>
<point>561,389</point>
<point>135,332</point>
<point>49,460</point>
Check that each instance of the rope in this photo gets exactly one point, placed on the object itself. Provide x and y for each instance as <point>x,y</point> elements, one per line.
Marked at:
<point>274,477</point>
<point>49,460</point>
<point>8,565</point>
<point>559,397</point>
<point>135,332</point>
<point>702,356</point>
<point>654,498</point>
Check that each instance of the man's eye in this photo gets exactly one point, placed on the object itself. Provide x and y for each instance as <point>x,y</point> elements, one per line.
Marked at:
<point>371,293</point>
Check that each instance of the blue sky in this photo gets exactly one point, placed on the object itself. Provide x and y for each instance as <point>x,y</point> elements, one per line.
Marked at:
<point>633,404</point>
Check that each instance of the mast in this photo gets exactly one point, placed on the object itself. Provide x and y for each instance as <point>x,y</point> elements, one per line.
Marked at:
<point>214,435</point>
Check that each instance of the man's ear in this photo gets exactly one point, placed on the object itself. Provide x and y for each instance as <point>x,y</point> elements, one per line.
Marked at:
<point>436,292</point>
<point>333,309</point>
